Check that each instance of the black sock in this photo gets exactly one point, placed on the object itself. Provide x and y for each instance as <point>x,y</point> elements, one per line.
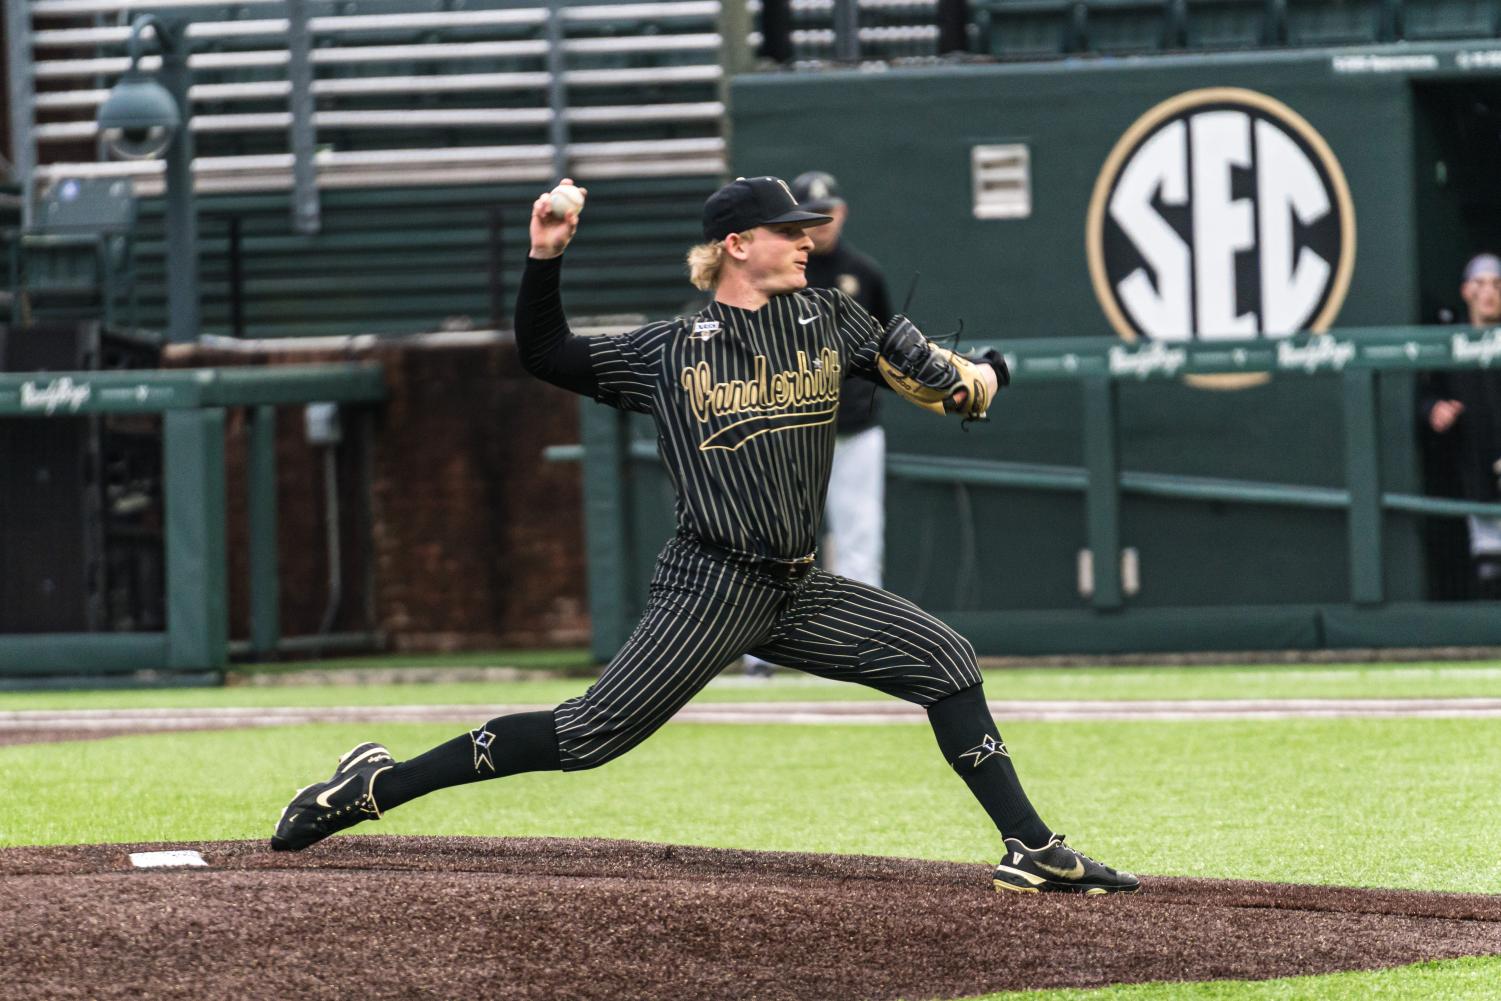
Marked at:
<point>507,745</point>
<point>970,742</point>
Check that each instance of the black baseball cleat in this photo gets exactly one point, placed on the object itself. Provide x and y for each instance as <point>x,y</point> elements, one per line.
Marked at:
<point>1057,868</point>
<point>343,801</point>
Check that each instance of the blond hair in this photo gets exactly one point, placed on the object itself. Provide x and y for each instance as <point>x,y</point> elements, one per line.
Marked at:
<point>706,260</point>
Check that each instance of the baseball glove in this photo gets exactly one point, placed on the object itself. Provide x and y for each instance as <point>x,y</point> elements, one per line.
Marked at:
<point>936,378</point>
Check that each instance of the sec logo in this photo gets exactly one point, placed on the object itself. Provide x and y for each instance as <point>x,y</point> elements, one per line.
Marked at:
<point>1220,215</point>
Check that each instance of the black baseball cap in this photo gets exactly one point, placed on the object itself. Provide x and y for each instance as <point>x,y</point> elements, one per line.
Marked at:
<point>748,202</point>
<point>816,191</point>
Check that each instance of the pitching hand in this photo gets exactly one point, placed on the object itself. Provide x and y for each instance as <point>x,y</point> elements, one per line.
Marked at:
<point>551,235</point>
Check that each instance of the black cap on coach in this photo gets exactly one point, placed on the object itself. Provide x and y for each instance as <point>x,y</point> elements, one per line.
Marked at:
<point>816,191</point>
<point>748,202</point>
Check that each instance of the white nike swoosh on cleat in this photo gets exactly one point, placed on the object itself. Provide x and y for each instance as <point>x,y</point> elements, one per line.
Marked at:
<point>322,798</point>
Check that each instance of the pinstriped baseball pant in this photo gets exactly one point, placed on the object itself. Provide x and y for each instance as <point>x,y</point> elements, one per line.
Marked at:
<point>703,613</point>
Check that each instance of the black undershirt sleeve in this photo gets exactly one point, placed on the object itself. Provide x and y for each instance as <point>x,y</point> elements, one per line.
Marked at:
<point>548,349</point>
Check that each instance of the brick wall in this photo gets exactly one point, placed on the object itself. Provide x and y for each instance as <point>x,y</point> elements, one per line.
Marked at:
<point>474,540</point>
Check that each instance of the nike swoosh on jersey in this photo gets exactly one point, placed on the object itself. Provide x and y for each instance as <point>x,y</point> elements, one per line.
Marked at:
<point>322,798</point>
<point>805,320</point>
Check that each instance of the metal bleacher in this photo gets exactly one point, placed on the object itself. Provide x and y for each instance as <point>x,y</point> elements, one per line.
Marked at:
<point>443,257</point>
<point>434,129</point>
<point>10,249</point>
<point>407,92</point>
<point>890,31</point>
<point>903,31</point>
<point>1041,29</point>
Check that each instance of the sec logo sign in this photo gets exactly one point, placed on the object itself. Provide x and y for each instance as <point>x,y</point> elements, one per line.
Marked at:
<point>1220,215</point>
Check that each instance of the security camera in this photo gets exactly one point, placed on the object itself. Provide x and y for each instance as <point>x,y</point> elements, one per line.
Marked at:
<point>138,142</point>
<point>139,118</point>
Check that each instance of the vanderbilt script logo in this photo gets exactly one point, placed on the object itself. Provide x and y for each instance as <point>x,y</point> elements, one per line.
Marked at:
<point>764,399</point>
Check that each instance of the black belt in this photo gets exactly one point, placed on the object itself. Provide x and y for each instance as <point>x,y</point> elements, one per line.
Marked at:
<point>782,570</point>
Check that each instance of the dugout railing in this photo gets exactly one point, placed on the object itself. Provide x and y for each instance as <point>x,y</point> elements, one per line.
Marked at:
<point>616,454</point>
<point>193,404</point>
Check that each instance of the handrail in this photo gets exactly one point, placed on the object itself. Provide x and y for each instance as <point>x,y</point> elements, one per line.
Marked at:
<point>1355,355</point>
<point>1075,479</point>
<point>66,394</point>
<point>1382,349</point>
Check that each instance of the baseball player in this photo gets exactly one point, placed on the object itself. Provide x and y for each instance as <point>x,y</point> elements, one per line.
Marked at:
<point>743,395</point>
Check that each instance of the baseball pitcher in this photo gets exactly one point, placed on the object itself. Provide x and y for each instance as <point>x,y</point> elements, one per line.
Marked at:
<point>744,396</point>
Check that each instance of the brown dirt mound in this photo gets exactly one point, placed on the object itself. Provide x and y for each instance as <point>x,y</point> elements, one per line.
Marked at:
<point>385,917</point>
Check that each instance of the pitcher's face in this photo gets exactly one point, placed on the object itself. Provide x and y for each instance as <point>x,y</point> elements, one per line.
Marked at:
<point>777,256</point>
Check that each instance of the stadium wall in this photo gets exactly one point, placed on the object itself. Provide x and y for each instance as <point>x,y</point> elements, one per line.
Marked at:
<point>466,547</point>
<point>901,144</point>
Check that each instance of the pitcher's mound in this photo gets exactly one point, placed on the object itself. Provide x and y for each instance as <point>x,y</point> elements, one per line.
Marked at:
<point>386,917</point>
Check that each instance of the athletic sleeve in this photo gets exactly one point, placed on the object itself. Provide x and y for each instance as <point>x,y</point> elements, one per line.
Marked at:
<point>610,368</point>
<point>548,349</point>
<point>859,338</point>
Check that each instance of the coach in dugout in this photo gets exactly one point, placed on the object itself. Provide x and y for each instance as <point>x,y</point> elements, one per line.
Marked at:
<point>1463,407</point>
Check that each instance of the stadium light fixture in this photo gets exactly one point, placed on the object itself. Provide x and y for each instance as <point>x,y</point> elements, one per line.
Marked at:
<point>144,117</point>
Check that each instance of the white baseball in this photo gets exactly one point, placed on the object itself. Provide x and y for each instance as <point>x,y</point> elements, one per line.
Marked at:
<point>565,199</point>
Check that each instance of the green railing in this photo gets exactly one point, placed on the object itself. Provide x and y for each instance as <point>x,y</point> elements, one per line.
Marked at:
<point>193,404</point>
<point>1099,367</point>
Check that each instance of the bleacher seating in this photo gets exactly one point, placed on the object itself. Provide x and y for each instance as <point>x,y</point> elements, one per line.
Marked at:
<point>435,129</point>
<point>1031,29</point>
<point>891,31</point>
<point>422,259</point>
<point>1041,29</point>
<point>1340,22</point>
<point>1432,20</point>
<point>454,96</point>
<point>1231,24</point>
<point>1125,27</point>
<point>434,123</point>
<point>10,247</point>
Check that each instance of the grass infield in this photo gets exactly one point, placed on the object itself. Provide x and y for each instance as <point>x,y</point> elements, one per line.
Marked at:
<point>1454,980</point>
<point>1393,681</point>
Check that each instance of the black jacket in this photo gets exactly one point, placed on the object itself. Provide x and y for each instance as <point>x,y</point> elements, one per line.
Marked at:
<point>1474,441</point>
<point>860,278</point>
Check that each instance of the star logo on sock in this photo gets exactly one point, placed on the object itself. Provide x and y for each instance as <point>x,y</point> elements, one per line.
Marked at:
<point>482,740</point>
<point>988,748</point>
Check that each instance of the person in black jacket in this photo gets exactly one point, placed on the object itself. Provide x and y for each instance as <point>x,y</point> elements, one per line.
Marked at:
<point>854,515</point>
<point>1463,408</point>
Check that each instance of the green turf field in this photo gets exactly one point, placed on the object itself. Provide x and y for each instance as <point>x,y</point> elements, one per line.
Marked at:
<point>1456,980</point>
<point>1315,801</point>
<point>1463,680</point>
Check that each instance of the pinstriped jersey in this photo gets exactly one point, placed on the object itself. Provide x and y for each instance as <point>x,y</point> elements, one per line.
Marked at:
<point>744,403</point>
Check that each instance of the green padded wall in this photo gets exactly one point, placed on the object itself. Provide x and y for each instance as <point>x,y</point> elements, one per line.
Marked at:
<point>900,144</point>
